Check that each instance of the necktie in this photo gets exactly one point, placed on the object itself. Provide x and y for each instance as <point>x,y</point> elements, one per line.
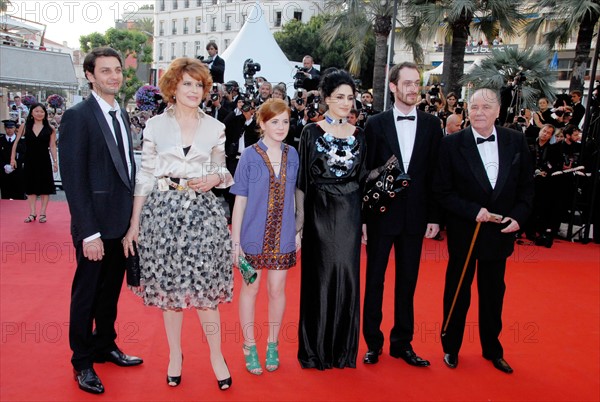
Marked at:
<point>400,118</point>
<point>491,138</point>
<point>119,135</point>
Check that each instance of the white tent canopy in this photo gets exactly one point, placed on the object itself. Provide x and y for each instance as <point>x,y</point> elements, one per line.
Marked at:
<point>255,41</point>
<point>439,70</point>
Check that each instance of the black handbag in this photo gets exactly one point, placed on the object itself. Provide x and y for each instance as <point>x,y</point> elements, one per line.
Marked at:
<point>132,265</point>
<point>383,185</point>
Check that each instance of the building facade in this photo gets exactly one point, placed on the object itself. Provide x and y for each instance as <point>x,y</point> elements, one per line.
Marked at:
<point>182,28</point>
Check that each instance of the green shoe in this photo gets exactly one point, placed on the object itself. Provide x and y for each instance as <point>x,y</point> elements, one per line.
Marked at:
<point>251,356</point>
<point>272,361</point>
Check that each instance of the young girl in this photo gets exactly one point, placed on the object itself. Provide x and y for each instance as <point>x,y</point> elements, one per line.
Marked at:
<point>262,225</point>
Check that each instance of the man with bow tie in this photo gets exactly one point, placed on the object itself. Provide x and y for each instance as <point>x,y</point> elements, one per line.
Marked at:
<point>413,137</point>
<point>11,180</point>
<point>482,170</point>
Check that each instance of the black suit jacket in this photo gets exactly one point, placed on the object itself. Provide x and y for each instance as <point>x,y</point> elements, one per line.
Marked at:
<point>462,187</point>
<point>415,207</point>
<point>312,83</point>
<point>234,128</point>
<point>97,185</point>
<point>217,69</point>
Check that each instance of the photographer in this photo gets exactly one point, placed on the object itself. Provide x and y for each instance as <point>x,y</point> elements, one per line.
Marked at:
<point>264,92</point>
<point>240,132</point>
<point>544,115</point>
<point>231,95</point>
<point>510,98</point>
<point>312,76</point>
<point>215,64</point>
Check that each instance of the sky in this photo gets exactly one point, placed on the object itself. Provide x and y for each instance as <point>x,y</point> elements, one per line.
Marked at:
<point>68,20</point>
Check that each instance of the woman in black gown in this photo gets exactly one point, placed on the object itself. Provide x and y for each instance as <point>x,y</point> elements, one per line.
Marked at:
<point>38,169</point>
<point>332,154</point>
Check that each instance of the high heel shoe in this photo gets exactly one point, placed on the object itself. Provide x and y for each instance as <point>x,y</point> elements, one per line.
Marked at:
<point>30,218</point>
<point>251,356</point>
<point>272,359</point>
<point>225,384</point>
<point>172,380</point>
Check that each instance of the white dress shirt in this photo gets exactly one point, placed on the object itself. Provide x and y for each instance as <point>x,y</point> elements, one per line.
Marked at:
<point>488,151</point>
<point>406,130</point>
<point>108,108</point>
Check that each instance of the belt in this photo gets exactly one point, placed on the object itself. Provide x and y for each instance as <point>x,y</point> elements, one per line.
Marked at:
<point>177,184</point>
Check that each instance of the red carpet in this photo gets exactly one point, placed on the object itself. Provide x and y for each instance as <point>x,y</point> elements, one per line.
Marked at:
<point>551,333</point>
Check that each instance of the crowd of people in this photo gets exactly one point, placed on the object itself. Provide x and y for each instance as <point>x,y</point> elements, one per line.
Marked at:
<point>294,173</point>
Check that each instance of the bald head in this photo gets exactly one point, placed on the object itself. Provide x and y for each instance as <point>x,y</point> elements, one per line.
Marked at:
<point>453,123</point>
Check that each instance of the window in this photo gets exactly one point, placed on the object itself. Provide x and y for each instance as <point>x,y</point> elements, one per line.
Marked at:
<point>162,5</point>
<point>161,28</point>
<point>228,22</point>
<point>214,2</point>
<point>244,16</point>
<point>174,27</point>
<point>185,25</point>
<point>175,6</point>
<point>198,3</point>
<point>186,4</point>
<point>277,19</point>
<point>198,46</point>
<point>172,51</point>
<point>160,51</point>
<point>227,41</point>
<point>198,24</point>
<point>298,15</point>
<point>184,49</point>
<point>213,24</point>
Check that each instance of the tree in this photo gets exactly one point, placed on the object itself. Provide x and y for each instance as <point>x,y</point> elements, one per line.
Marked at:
<point>355,20</point>
<point>501,66</point>
<point>457,18</point>
<point>126,43</point>
<point>569,16</point>
<point>296,40</point>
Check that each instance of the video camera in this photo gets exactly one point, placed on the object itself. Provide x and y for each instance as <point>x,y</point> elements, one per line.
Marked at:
<point>299,77</point>
<point>249,70</point>
<point>207,60</point>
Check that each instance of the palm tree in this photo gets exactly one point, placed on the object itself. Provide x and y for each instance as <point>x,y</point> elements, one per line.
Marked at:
<point>354,20</point>
<point>457,18</point>
<point>569,16</point>
<point>496,69</point>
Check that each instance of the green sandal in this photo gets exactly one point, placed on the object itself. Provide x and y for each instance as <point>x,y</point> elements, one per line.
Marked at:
<point>272,361</point>
<point>251,356</point>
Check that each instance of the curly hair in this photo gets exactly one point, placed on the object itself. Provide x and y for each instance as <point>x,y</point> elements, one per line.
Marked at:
<point>174,74</point>
<point>334,78</point>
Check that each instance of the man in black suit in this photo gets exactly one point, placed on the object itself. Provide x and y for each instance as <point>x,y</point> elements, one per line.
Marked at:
<point>312,76</point>
<point>215,63</point>
<point>98,174</point>
<point>11,180</point>
<point>413,137</point>
<point>578,108</point>
<point>482,169</point>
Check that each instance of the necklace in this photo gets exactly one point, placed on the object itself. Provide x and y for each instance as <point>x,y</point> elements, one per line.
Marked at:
<point>333,121</point>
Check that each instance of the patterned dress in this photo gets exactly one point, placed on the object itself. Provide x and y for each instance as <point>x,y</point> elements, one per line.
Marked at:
<point>268,229</point>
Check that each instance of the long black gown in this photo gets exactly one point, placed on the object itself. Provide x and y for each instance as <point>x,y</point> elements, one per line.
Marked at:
<point>39,178</point>
<point>330,279</point>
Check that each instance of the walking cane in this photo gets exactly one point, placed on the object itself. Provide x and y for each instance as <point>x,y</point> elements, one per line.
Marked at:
<point>462,276</point>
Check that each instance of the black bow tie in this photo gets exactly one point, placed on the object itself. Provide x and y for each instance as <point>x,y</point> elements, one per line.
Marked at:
<point>491,138</point>
<point>400,118</point>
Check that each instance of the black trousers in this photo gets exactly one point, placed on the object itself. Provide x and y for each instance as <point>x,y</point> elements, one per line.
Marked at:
<point>491,288</point>
<point>94,297</point>
<point>407,253</point>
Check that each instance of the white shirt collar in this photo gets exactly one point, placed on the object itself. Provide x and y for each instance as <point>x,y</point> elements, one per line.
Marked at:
<point>397,112</point>
<point>477,135</point>
<point>104,104</point>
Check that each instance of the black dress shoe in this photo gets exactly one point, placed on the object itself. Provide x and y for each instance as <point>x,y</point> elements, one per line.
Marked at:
<point>88,381</point>
<point>502,365</point>
<point>411,358</point>
<point>119,358</point>
<point>451,360</point>
<point>372,356</point>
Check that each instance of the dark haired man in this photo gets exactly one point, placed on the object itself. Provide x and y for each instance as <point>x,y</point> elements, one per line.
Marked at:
<point>413,137</point>
<point>578,108</point>
<point>98,174</point>
<point>215,63</point>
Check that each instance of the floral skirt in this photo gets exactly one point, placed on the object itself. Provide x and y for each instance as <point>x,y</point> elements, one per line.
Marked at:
<point>185,252</point>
